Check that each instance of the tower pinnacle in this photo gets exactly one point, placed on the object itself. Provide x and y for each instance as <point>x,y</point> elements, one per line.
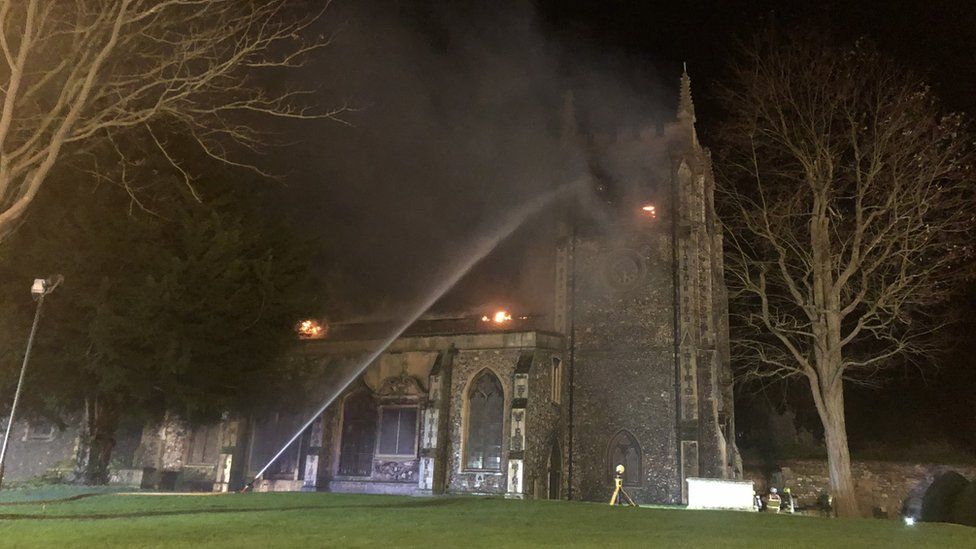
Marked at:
<point>686,108</point>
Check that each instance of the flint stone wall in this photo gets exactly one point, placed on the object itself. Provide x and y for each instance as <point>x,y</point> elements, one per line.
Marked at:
<point>625,376</point>
<point>890,488</point>
<point>467,364</point>
<point>545,425</point>
<point>29,457</point>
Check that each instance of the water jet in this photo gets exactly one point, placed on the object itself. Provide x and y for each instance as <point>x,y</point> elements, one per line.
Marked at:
<point>482,248</point>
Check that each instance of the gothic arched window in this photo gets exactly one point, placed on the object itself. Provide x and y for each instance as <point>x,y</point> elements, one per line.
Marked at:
<point>358,434</point>
<point>486,412</point>
<point>625,451</point>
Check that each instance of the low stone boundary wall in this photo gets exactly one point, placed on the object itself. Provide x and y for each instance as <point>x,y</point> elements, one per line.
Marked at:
<point>883,488</point>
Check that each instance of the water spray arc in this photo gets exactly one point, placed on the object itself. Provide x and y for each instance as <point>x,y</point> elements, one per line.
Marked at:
<point>482,248</point>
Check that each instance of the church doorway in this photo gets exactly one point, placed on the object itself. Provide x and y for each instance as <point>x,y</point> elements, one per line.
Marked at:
<point>555,471</point>
<point>624,450</point>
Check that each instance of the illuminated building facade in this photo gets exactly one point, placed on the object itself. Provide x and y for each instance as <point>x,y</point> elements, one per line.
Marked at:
<point>629,364</point>
<point>626,362</point>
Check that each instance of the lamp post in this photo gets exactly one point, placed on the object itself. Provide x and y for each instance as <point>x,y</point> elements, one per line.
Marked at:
<point>39,289</point>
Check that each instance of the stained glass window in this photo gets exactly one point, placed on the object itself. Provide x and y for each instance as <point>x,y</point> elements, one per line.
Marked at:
<point>486,410</point>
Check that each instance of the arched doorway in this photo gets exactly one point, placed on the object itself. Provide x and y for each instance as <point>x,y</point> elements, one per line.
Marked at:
<point>624,450</point>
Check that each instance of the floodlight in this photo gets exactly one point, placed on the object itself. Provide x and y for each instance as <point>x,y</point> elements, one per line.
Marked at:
<point>40,288</point>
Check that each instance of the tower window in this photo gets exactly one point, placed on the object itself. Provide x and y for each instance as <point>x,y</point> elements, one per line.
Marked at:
<point>557,381</point>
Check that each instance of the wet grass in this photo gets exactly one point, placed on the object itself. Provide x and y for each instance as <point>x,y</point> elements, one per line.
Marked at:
<point>14,494</point>
<point>338,520</point>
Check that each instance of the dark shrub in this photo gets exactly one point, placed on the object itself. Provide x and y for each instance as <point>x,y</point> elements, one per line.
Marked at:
<point>964,511</point>
<point>939,499</point>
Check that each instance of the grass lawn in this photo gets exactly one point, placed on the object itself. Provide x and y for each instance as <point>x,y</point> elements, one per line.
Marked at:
<point>339,520</point>
<point>13,493</point>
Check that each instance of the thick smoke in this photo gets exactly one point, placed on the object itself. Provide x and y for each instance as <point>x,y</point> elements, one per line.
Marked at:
<point>461,115</point>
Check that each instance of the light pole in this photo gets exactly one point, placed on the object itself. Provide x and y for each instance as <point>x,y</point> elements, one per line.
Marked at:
<point>39,289</point>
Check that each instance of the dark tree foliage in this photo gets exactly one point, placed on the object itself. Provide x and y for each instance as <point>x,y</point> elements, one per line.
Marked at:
<point>182,310</point>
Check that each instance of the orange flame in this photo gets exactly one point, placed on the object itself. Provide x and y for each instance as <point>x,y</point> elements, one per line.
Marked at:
<point>649,210</point>
<point>499,317</point>
<point>310,329</point>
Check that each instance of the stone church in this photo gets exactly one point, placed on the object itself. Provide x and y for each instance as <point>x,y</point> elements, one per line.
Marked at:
<point>628,364</point>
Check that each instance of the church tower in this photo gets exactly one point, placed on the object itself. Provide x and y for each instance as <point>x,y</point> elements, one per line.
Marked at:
<point>705,421</point>
<point>646,322</point>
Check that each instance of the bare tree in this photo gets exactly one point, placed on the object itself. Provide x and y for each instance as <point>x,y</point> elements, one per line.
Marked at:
<point>80,75</point>
<point>849,210</point>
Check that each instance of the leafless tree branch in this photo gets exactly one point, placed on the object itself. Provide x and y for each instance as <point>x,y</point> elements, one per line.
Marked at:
<point>77,72</point>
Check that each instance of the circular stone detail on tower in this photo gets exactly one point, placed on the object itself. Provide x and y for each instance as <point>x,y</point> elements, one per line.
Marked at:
<point>624,270</point>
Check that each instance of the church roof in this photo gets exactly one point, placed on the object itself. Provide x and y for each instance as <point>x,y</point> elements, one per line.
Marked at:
<point>429,325</point>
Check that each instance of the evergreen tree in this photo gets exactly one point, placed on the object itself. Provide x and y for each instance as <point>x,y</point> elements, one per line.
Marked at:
<point>183,310</point>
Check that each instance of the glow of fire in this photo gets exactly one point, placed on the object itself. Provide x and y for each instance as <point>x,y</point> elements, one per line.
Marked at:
<point>310,329</point>
<point>649,210</point>
<point>499,317</point>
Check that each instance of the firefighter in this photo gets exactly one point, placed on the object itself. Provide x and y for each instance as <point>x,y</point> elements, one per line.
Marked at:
<point>773,501</point>
<point>790,503</point>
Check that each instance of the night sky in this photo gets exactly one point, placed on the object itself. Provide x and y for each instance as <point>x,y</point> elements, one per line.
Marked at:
<point>457,121</point>
<point>458,104</point>
<point>935,38</point>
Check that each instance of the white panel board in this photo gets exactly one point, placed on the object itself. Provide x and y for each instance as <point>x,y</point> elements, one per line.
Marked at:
<point>713,493</point>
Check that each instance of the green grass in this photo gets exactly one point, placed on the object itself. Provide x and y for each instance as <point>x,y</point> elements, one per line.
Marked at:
<point>336,520</point>
<point>25,493</point>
